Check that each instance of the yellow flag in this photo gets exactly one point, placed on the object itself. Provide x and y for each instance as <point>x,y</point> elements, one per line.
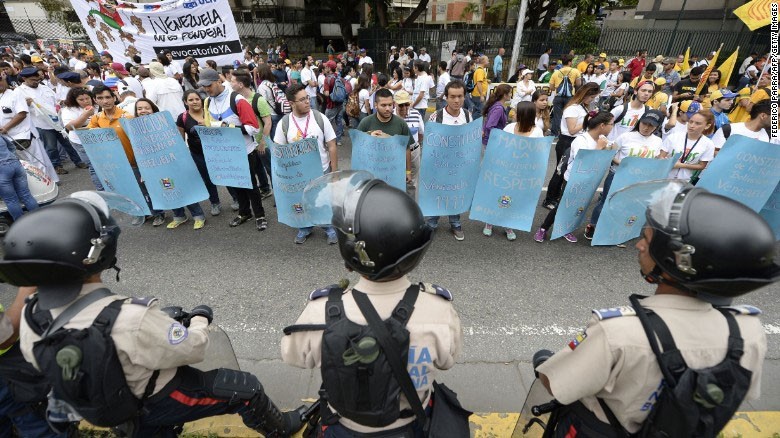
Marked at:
<point>709,70</point>
<point>727,68</point>
<point>755,14</point>
<point>686,64</point>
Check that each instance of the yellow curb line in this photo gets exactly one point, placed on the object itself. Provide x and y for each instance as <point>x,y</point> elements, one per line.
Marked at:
<point>756,424</point>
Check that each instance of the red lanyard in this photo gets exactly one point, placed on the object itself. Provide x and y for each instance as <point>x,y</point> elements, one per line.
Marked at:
<point>306,129</point>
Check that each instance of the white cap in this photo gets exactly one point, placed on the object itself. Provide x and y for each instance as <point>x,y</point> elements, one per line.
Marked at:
<point>410,48</point>
<point>393,47</point>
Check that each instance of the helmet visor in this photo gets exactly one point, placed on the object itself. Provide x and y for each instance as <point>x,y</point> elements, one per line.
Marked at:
<point>661,200</point>
<point>332,199</point>
<point>123,210</point>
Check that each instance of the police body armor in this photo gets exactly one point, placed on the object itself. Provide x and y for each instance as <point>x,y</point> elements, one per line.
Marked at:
<point>83,367</point>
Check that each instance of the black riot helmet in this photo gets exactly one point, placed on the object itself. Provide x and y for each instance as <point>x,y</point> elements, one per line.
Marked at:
<point>706,243</point>
<point>58,246</point>
<point>381,230</point>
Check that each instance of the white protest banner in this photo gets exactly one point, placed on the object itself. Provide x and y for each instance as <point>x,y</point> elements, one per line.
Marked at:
<point>446,50</point>
<point>204,29</point>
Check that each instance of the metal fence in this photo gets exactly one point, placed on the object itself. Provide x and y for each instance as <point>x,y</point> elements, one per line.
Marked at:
<point>615,42</point>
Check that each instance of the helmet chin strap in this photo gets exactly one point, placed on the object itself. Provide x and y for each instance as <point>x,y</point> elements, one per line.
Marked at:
<point>654,276</point>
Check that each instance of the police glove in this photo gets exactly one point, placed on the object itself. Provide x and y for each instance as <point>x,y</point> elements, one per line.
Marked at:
<point>175,312</point>
<point>204,311</point>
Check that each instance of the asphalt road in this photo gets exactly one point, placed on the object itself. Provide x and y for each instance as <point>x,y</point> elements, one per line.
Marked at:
<point>513,297</point>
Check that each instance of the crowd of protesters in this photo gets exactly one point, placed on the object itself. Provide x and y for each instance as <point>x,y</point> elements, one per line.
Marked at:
<point>641,106</point>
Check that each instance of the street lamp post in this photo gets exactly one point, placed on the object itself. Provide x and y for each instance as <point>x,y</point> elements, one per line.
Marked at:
<point>676,25</point>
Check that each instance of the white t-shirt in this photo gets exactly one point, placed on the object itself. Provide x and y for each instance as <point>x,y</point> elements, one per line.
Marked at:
<point>132,85</point>
<point>365,60</point>
<point>16,103</point>
<point>363,95</point>
<point>70,114</point>
<point>422,85</point>
<point>408,85</point>
<point>696,152</point>
<point>634,144</point>
<point>536,132</point>
<point>678,127</point>
<point>166,93</point>
<point>583,141</point>
<point>441,83</point>
<point>306,76</point>
<point>424,57</point>
<point>738,129</point>
<point>307,127</point>
<point>627,123</point>
<point>572,112</point>
<point>447,119</point>
<point>524,92</point>
<point>539,122</point>
<point>220,111</point>
<point>43,96</point>
<point>172,69</point>
<point>612,83</point>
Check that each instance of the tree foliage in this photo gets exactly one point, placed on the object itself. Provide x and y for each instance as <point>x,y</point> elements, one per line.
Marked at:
<point>57,11</point>
<point>582,34</point>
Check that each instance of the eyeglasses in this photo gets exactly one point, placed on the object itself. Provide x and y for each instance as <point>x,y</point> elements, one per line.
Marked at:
<point>303,100</point>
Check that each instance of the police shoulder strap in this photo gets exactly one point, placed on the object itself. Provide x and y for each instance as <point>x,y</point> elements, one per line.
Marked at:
<point>334,294</point>
<point>392,349</point>
<point>75,308</point>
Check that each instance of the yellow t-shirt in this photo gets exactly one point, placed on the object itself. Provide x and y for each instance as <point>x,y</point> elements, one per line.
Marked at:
<point>480,76</point>
<point>740,114</point>
<point>658,99</point>
<point>557,77</point>
<point>582,66</point>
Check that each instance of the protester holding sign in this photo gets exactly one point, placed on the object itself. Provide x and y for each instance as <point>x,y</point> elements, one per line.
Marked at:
<point>306,122</point>
<point>414,120</point>
<point>145,107</point>
<point>756,127</point>
<point>384,123</point>
<point>495,116</point>
<point>241,82</point>
<point>226,108</point>
<point>186,122</point>
<point>598,124</point>
<point>78,108</point>
<point>697,150</point>
<point>639,142</point>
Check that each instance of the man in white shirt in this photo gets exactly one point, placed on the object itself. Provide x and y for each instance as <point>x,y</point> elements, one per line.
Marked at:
<point>422,86</point>
<point>306,122</point>
<point>632,114</point>
<point>756,127</point>
<point>451,114</point>
<point>42,106</point>
<point>126,82</point>
<point>364,58</point>
<point>746,63</point>
<point>444,79</point>
<point>309,79</point>
<point>424,56</point>
<point>13,117</point>
<point>163,90</point>
<point>544,61</point>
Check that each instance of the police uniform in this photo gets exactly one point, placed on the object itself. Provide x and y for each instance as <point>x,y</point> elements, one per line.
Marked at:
<point>435,335</point>
<point>612,358</point>
<point>146,339</point>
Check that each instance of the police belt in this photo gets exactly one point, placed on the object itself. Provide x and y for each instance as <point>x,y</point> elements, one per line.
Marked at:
<point>169,387</point>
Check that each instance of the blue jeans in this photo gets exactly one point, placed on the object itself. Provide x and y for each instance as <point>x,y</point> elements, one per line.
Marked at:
<point>13,188</point>
<point>336,117</point>
<point>195,210</point>
<point>433,221</point>
<point>50,138</point>
<point>28,423</point>
<point>557,114</point>
<point>594,217</point>
<point>313,102</point>
<point>85,159</point>
<point>476,107</point>
<point>200,163</point>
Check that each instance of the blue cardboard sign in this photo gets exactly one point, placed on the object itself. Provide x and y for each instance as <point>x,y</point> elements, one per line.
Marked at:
<point>164,161</point>
<point>771,211</point>
<point>449,168</point>
<point>585,175</point>
<point>384,157</point>
<point>293,166</point>
<point>226,159</point>
<point>615,227</point>
<point>108,158</point>
<point>746,170</point>
<point>510,180</point>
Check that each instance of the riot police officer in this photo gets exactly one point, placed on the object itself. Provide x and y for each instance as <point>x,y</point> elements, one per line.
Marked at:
<point>382,236</point>
<point>63,250</point>
<point>701,250</point>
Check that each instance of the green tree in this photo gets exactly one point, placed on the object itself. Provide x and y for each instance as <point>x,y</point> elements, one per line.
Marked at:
<point>582,34</point>
<point>58,12</point>
<point>468,12</point>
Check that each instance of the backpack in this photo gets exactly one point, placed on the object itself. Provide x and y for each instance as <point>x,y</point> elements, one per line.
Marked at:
<point>339,92</point>
<point>280,103</point>
<point>317,117</point>
<point>353,105</point>
<point>440,116</point>
<point>82,364</point>
<point>565,88</point>
<point>468,80</point>
<point>356,373</point>
<point>693,403</point>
